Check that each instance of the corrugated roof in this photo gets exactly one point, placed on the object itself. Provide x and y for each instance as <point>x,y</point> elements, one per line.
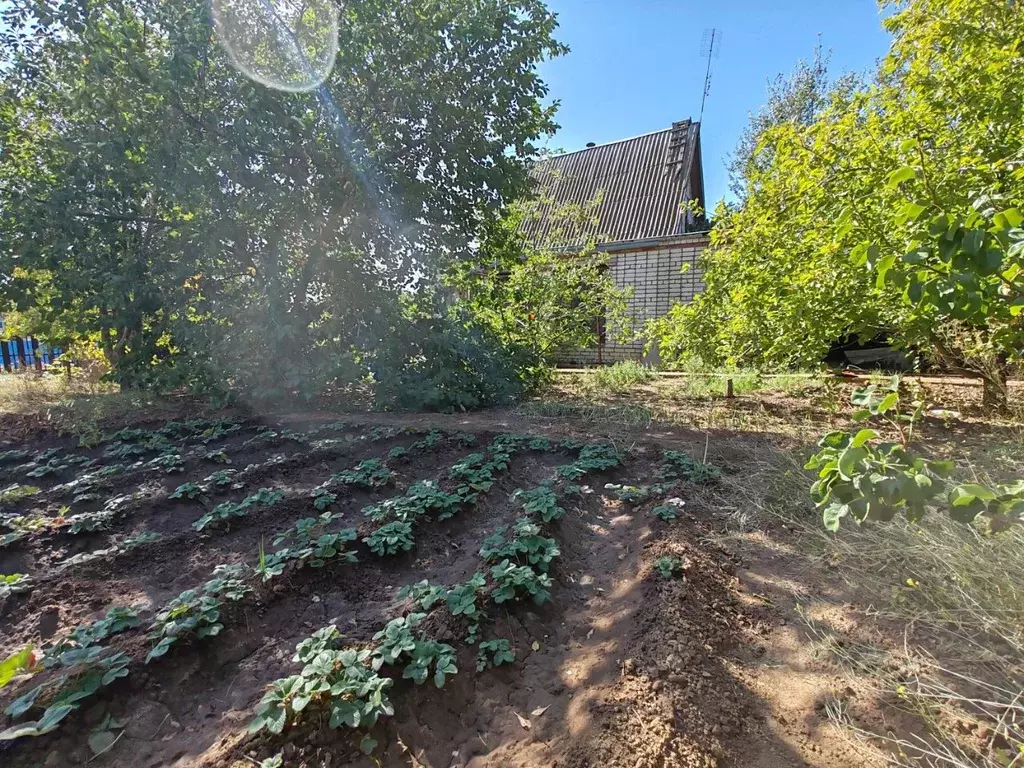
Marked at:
<point>644,180</point>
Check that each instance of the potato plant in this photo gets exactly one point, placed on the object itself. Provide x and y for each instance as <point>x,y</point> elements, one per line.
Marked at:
<point>668,566</point>
<point>513,582</point>
<point>396,643</point>
<point>13,584</point>
<point>677,465</point>
<point>196,611</point>
<point>187,491</point>
<point>229,509</point>
<point>523,544</point>
<point>541,502</point>
<point>494,653</point>
<point>333,681</point>
<point>309,542</point>
<point>391,538</point>
<point>15,493</point>
<point>369,473</point>
<point>70,650</point>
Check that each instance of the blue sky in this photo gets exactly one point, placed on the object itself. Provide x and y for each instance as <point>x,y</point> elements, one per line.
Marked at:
<point>635,65</point>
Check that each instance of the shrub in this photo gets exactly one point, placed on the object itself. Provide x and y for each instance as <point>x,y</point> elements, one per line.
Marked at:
<point>445,362</point>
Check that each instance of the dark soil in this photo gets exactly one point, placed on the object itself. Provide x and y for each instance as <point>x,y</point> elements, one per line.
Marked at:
<point>621,668</point>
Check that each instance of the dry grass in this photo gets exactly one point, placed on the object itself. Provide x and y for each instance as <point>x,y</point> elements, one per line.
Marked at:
<point>949,599</point>
<point>76,406</point>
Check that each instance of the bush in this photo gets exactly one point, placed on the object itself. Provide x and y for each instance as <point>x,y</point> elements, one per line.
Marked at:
<point>446,362</point>
<point>622,376</point>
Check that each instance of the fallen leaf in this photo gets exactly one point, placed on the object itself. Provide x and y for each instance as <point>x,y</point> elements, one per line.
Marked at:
<point>535,646</point>
<point>539,711</point>
<point>590,634</point>
<point>523,721</point>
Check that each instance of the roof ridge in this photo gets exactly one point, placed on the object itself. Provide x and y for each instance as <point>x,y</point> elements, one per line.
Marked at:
<point>617,141</point>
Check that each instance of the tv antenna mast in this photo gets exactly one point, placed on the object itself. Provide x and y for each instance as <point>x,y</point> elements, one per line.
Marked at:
<point>709,47</point>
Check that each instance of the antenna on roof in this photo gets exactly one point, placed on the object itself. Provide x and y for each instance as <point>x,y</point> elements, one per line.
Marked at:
<point>709,47</point>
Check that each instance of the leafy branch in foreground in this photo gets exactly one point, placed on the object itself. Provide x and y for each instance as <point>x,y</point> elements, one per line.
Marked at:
<point>869,479</point>
<point>93,669</point>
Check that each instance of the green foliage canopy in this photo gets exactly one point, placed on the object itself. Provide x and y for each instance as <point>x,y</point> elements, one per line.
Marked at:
<point>895,211</point>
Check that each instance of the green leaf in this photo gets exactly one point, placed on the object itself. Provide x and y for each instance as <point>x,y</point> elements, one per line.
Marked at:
<point>862,437</point>
<point>966,493</point>
<point>888,402</point>
<point>900,175</point>
<point>833,515</point>
<point>15,664</point>
<point>848,461</point>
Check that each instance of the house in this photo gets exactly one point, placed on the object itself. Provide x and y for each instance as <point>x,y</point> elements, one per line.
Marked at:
<point>641,223</point>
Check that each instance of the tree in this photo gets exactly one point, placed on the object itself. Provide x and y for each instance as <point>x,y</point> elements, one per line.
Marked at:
<point>201,223</point>
<point>535,297</point>
<point>936,136</point>
<point>798,98</point>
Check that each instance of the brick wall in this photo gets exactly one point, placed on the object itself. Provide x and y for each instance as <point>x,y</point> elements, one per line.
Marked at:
<point>656,276</point>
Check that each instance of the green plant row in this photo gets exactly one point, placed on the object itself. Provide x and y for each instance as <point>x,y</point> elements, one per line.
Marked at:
<point>345,684</point>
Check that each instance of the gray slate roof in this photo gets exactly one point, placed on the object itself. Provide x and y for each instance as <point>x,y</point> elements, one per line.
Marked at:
<point>645,179</point>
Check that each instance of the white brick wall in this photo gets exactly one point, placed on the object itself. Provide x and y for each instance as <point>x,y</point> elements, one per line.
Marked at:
<point>658,281</point>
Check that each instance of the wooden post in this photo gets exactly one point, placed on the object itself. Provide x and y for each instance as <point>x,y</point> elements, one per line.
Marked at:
<point>728,389</point>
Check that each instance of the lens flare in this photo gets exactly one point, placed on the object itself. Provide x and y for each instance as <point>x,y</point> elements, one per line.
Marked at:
<point>289,45</point>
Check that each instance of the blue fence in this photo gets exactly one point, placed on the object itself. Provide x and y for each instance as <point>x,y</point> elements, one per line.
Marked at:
<point>25,354</point>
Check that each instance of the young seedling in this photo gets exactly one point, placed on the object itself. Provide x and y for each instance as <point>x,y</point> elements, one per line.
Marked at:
<point>669,511</point>
<point>323,498</point>
<point>525,544</point>
<point>168,462</point>
<point>668,566</point>
<point>396,643</point>
<point>424,594</point>
<point>187,491</point>
<point>494,653</point>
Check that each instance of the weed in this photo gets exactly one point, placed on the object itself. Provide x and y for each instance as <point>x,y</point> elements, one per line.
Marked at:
<point>668,566</point>
<point>494,653</point>
<point>391,538</point>
<point>196,611</point>
<point>540,501</point>
<point>622,376</point>
<point>512,582</point>
<point>17,492</point>
<point>187,491</point>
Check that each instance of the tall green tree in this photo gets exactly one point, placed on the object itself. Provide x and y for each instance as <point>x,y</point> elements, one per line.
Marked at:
<point>186,214</point>
<point>857,222</point>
